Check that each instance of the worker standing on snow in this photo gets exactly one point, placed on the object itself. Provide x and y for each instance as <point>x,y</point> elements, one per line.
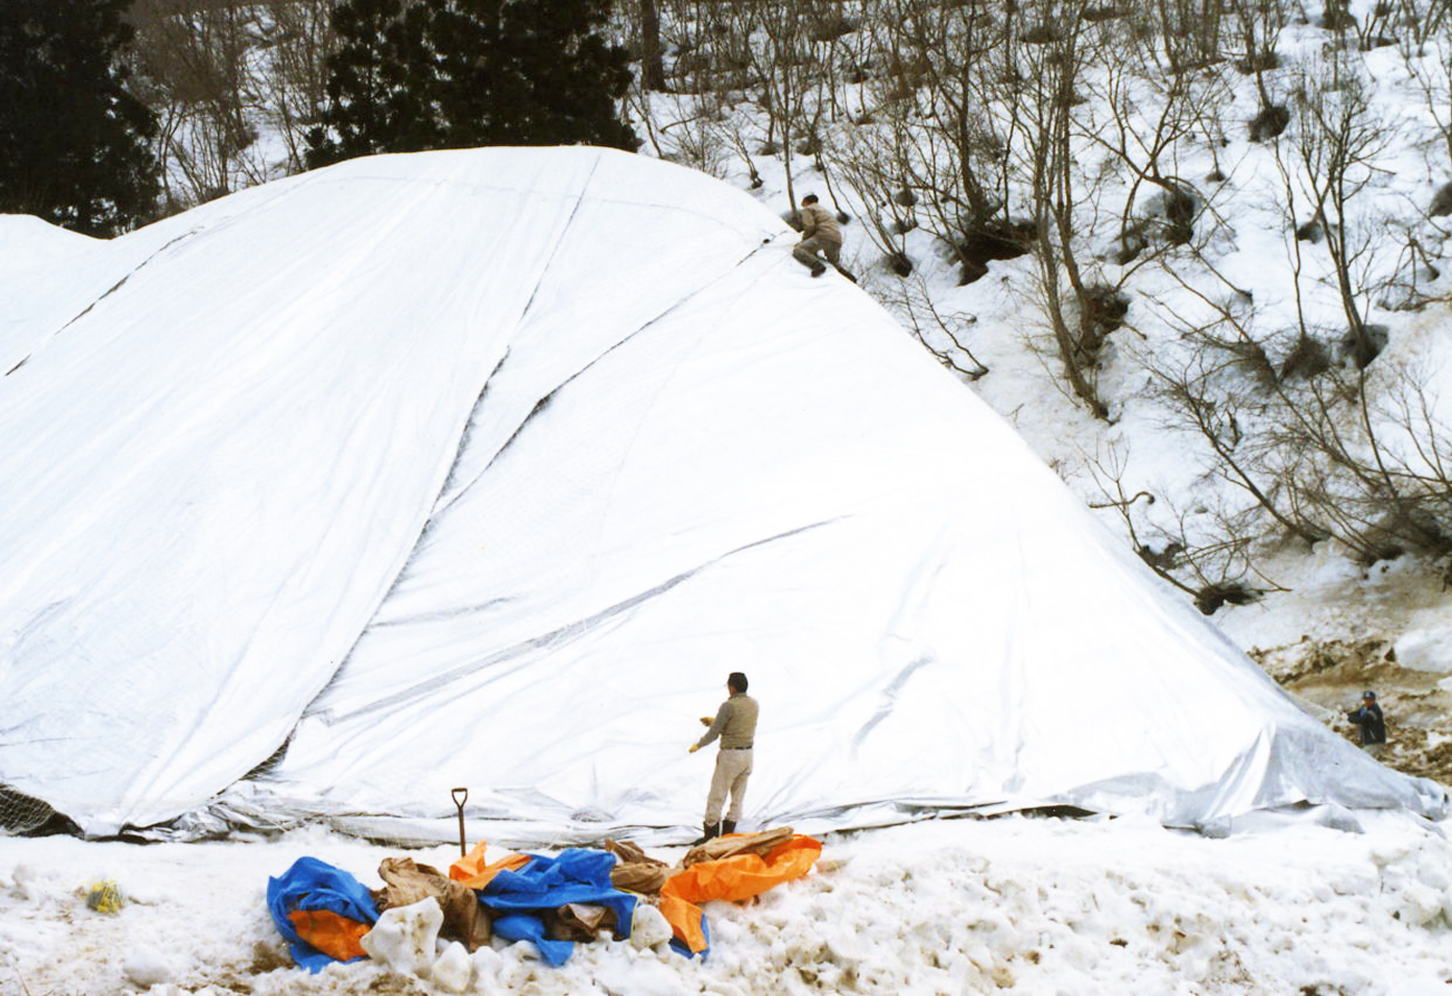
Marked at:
<point>735,724</point>
<point>820,233</point>
<point>1373,725</point>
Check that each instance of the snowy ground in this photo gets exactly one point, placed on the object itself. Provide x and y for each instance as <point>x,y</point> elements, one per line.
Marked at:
<point>1029,905</point>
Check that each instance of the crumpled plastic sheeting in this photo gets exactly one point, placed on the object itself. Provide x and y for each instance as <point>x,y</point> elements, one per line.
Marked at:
<point>738,876</point>
<point>527,927</point>
<point>314,885</point>
<point>473,871</point>
<point>521,899</point>
<point>393,461</point>
<point>760,843</point>
<point>742,876</point>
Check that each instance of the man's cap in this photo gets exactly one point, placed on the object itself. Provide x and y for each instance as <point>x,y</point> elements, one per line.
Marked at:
<point>1368,694</point>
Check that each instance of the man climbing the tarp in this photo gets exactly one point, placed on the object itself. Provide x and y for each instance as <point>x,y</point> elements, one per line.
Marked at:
<point>735,724</point>
<point>820,233</point>
<point>1373,725</point>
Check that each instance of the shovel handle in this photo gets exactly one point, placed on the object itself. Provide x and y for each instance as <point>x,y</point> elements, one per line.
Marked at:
<point>461,796</point>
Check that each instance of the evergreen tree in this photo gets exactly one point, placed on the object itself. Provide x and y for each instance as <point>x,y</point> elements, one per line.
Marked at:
<point>436,74</point>
<point>73,141</point>
<point>379,82</point>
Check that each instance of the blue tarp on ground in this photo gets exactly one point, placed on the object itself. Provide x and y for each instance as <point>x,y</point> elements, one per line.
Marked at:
<point>680,948</point>
<point>311,884</point>
<point>520,898</point>
<point>528,927</point>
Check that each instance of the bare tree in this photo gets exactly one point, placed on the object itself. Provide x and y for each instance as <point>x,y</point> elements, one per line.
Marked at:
<point>941,332</point>
<point>222,73</point>
<point>1208,556</point>
<point>195,63</point>
<point>1327,450</point>
<point>297,39</point>
<point>1336,144</point>
<point>950,163</point>
<point>1047,61</point>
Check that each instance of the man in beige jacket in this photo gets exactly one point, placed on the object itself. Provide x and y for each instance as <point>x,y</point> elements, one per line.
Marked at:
<point>820,233</point>
<point>735,724</point>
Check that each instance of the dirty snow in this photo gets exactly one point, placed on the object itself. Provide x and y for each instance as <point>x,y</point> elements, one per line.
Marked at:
<point>953,906</point>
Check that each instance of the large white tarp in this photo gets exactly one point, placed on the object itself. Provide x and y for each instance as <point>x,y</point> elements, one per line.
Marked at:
<point>484,468</point>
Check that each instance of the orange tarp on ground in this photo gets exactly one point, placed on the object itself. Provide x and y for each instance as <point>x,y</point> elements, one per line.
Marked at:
<point>742,876</point>
<point>475,874</point>
<point>735,878</point>
<point>685,920</point>
<point>334,935</point>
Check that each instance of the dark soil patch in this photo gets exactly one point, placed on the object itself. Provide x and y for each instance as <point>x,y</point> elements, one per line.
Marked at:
<point>267,958</point>
<point>1309,358</point>
<point>992,240</point>
<point>899,264</point>
<point>1269,123</point>
<point>1441,202</point>
<point>1214,596</point>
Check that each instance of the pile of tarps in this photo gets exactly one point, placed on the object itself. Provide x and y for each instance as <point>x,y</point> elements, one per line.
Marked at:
<point>326,915</point>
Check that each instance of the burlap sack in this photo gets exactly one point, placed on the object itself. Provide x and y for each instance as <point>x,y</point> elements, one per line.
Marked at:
<point>738,843</point>
<point>406,883</point>
<point>579,921</point>
<point>636,871</point>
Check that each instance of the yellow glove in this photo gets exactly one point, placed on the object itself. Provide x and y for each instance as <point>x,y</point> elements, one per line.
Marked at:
<point>694,748</point>
<point>707,720</point>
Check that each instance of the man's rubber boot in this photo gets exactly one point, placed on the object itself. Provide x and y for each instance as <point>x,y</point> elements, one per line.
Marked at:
<point>728,826</point>
<point>712,830</point>
<point>818,269</point>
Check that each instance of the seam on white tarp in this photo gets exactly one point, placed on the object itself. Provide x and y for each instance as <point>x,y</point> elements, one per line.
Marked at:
<point>459,448</point>
<point>559,635</point>
<point>888,699</point>
<point>548,396</point>
<point>109,291</point>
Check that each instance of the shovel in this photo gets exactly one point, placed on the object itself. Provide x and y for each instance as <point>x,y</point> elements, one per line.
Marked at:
<point>461,796</point>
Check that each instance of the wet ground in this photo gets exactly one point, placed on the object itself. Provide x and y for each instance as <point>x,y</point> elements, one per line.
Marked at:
<point>1330,676</point>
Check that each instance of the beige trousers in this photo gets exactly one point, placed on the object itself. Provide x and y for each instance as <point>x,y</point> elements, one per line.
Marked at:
<point>733,768</point>
<point>806,251</point>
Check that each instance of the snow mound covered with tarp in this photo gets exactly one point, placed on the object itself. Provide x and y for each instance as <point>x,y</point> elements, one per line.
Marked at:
<point>484,468</point>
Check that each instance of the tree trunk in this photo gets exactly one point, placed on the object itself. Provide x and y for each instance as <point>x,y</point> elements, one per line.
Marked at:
<point>652,68</point>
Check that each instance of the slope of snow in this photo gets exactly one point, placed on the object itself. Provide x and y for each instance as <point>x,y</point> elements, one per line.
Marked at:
<point>484,468</point>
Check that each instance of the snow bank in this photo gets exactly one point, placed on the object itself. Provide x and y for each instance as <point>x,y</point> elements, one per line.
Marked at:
<point>484,468</point>
<point>1426,650</point>
<point>1041,906</point>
